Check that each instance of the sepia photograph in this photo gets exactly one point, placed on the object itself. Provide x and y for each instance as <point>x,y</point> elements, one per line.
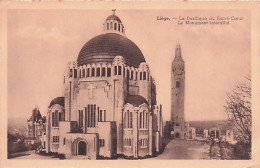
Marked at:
<point>129,84</point>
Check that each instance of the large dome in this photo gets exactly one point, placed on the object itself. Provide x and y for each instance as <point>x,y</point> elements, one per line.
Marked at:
<point>105,47</point>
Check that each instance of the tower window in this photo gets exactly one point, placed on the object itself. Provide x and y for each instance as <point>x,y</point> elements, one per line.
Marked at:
<point>132,75</point>
<point>111,25</point>
<point>108,72</point>
<point>141,76</point>
<point>107,26</point>
<point>119,27</point>
<point>178,84</point>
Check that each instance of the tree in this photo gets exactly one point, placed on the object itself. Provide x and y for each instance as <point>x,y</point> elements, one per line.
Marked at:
<point>238,108</point>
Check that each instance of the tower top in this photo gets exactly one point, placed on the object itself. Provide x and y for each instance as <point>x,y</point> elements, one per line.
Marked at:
<point>178,50</point>
<point>178,53</point>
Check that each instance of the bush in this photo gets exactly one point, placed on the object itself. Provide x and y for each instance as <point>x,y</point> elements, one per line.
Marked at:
<point>242,151</point>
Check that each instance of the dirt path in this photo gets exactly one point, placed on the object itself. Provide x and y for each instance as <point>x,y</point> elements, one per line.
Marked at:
<point>182,149</point>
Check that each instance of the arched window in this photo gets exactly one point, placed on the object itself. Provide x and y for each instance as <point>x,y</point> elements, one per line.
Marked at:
<point>108,72</point>
<point>55,118</point>
<point>131,120</point>
<point>71,73</point>
<point>98,71</point>
<point>75,73</point>
<point>88,72</point>
<point>132,75</point>
<point>107,26</point>
<point>83,73</point>
<point>118,27</point>
<point>103,71</point>
<point>136,75</point>
<point>80,73</point>
<point>111,26</point>
<point>144,75</point>
<point>93,72</point>
<point>140,120</point>
<point>127,74</point>
<point>143,119</point>
<point>141,76</point>
<point>147,119</point>
<point>119,70</point>
<point>115,26</point>
<point>115,70</point>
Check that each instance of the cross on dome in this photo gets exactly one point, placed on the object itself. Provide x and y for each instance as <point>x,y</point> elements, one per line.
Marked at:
<point>114,10</point>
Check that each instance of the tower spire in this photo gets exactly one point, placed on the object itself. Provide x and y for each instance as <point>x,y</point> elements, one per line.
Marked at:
<point>178,50</point>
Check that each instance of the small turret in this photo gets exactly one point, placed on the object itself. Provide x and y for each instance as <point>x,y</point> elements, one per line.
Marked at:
<point>113,24</point>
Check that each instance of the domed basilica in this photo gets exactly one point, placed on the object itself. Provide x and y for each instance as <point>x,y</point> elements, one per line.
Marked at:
<point>108,106</point>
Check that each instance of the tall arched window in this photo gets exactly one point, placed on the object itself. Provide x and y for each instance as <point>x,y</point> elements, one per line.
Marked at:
<point>83,73</point>
<point>141,76</point>
<point>119,70</point>
<point>88,72</point>
<point>111,26</point>
<point>131,120</point>
<point>75,73</point>
<point>115,26</point>
<point>71,73</point>
<point>140,120</point>
<point>107,26</point>
<point>115,70</point>
<point>144,75</point>
<point>103,71</point>
<point>147,115</point>
<point>98,72</point>
<point>108,72</point>
<point>93,72</point>
<point>118,27</point>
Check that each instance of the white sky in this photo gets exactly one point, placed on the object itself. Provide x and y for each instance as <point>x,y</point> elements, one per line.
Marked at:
<point>42,42</point>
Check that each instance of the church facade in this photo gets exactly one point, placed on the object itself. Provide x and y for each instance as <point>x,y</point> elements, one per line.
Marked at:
<point>108,105</point>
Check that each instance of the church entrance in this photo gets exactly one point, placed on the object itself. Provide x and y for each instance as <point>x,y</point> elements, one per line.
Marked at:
<point>177,135</point>
<point>82,148</point>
